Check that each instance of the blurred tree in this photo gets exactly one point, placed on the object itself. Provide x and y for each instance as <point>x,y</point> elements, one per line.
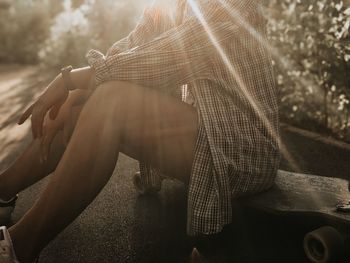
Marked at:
<point>96,24</point>
<point>313,73</point>
<point>23,29</point>
<point>77,3</point>
<point>55,7</point>
<point>5,4</point>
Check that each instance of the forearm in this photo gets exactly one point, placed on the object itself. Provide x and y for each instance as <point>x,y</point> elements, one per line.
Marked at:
<point>178,56</point>
<point>83,80</point>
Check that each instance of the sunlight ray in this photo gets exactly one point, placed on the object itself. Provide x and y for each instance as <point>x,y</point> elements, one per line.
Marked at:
<point>283,60</point>
<point>242,85</point>
<point>283,149</point>
<point>276,55</point>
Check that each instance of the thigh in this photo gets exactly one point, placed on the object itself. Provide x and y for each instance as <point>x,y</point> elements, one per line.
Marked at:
<point>159,130</point>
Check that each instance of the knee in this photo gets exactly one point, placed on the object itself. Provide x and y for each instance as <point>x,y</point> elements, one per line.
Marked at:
<point>112,92</point>
<point>109,97</point>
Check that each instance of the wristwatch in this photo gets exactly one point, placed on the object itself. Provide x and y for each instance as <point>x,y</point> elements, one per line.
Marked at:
<point>67,80</point>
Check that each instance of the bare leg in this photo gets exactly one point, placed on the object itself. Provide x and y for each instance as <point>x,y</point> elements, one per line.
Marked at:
<point>28,169</point>
<point>118,116</point>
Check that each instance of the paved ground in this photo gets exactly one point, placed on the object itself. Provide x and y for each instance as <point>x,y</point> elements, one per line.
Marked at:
<point>120,226</point>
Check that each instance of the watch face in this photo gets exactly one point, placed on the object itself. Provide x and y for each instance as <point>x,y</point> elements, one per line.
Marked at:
<point>66,77</point>
<point>68,68</point>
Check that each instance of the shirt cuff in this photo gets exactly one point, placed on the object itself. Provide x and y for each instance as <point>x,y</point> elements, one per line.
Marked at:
<point>98,61</point>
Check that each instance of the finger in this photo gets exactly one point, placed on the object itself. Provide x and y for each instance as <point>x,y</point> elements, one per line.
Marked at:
<point>37,121</point>
<point>25,115</point>
<point>46,143</point>
<point>33,120</point>
<point>55,109</point>
<point>67,131</point>
<point>40,122</point>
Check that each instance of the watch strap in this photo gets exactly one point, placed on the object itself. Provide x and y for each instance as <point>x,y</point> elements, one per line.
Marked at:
<point>67,80</point>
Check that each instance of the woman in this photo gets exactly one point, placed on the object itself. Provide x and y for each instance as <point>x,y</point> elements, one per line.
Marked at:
<point>224,147</point>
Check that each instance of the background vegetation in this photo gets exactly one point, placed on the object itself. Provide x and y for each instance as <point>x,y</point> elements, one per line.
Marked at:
<point>310,41</point>
<point>61,32</point>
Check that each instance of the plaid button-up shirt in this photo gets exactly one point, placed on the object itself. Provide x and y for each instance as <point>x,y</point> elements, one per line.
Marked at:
<point>218,48</point>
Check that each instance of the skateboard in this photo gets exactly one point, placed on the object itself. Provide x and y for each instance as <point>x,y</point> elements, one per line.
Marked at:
<point>314,198</point>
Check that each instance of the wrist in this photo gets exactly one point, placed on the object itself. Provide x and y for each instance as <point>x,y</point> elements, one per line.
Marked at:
<point>67,78</point>
<point>83,78</point>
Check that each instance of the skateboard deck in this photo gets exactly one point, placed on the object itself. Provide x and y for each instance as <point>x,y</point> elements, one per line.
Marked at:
<point>303,193</point>
<point>310,198</point>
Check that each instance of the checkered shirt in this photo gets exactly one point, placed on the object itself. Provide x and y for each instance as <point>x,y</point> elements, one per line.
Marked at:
<point>218,48</point>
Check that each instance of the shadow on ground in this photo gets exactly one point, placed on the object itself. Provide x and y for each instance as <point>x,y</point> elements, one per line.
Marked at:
<point>18,87</point>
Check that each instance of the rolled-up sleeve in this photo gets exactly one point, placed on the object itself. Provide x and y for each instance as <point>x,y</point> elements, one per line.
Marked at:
<point>176,57</point>
<point>152,23</point>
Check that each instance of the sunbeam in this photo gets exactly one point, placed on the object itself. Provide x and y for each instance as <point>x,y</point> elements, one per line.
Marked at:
<point>240,82</point>
<point>255,105</point>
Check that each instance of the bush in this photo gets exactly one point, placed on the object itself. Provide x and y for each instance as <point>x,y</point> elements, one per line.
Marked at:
<point>61,32</point>
<point>91,24</point>
<point>24,28</point>
<point>314,71</point>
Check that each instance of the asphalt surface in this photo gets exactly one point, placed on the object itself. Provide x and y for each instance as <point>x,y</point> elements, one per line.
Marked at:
<point>119,226</point>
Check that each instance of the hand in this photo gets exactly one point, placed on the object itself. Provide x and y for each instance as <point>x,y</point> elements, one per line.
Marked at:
<point>65,120</point>
<point>52,99</point>
<point>52,127</point>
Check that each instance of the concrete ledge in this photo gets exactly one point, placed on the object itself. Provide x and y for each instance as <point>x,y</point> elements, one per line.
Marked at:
<point>314,153</point>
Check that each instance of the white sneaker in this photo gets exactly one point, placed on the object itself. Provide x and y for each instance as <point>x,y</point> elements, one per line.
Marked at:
<point>7,253</point>
<point>6,209</point>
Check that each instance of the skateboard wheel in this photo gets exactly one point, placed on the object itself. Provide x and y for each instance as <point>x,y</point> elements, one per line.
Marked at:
<point>323,245</point>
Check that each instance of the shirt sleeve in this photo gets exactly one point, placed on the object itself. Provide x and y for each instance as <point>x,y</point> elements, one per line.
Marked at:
<point>178,56</point>
<point>152,23</point>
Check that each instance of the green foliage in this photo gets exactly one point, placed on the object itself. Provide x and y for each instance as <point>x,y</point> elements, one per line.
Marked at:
<point>24,26</point>
<point>89,24</point>
<point>61,32</point>
<point>313,40</point>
